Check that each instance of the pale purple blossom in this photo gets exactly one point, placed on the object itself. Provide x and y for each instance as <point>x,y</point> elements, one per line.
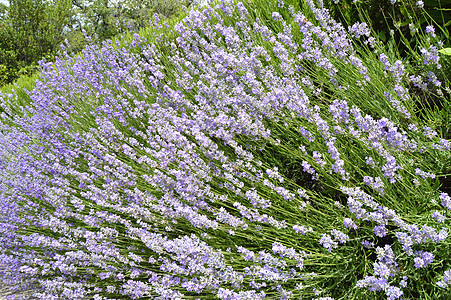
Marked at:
<point>438,216</point>
<point>359,29</point>
<point>424,174</point>
<point>431,56</point>
<point>349,223</point>
<point>327,242</point>
<point>380,231</point>
<point>430,30</point>
<point>393,292</point>
<point>446,281</point>
<point>446,200</point>
<point>302,229</point>
<point>367,244</point>
<point>373,283</point>
<point>340,236</point>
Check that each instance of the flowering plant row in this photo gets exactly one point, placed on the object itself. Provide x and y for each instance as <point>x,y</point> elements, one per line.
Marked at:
<point>247,153</point>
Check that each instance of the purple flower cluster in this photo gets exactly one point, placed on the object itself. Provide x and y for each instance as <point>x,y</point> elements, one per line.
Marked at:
<point>431,56</point>
<point>397,69</point>
<point>430,30</point>
<point>446,281</point>
<point>438,216</point>
<point>93,164</point>
<point>327,242</point>
<point>446,200</point>
<point>410,236</point>
<point>384,268</point>
<point>424,174</point>
<point>360,29</point>
<point>423,259</point>
<point>376,183</point>
<point>349,223</point>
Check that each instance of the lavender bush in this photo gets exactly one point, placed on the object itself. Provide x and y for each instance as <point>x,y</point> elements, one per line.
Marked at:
<point>254,150</point>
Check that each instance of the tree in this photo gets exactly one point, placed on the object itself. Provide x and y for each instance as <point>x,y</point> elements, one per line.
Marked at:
<point>29,31</point>
<point>107,18</point>
<point>38,26</point>
<point>33,29</point>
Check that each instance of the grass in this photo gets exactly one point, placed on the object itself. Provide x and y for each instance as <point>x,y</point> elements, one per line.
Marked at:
<point>236,153</point>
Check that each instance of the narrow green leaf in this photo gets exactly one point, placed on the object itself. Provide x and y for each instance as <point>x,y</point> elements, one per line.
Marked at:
<point>382,36</point>
<point>446,51</point>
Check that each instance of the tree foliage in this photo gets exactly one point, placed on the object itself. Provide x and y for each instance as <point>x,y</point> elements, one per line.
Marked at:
<point>33,29</point>
<point>29,31</point>
<point>103,19</point>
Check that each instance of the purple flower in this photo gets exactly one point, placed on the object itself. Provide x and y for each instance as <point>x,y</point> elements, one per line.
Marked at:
<point>376,183</point>
<point>405,240</point>
<point>386,255</point>
<point>434,80</point>
<point>226,294</point>
<point>423,259</point>
<point>398,69</point>
<point>382,270</point>
<point>318,158</point>
<point>288,252</point>
<point>423,174</point>
<point>306,134</point>
<point>403,282</point>
<point>369,161</point>
<point>306,167</point>
<point>393,292</point>
<point>444,145</point>
<point>438,216</point>
<point>340,111</point>
<point>256,200</point>
<point>302,229</point>
<point>446,200</point>
<point>373,283</point>
<point>385,61</point>
<point>431,56</point>
<point>419,262</point>
<point>327,242</point>
<point>413,127</point>
<point>359,29</point>
<point>390,168</point>
<point>340,236</point>
<point>418,82</point>
<point>277,17</point>
<point>430,30</point>
<point>446,282</point>
<point>349,223</point>
<point>380,231</point>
